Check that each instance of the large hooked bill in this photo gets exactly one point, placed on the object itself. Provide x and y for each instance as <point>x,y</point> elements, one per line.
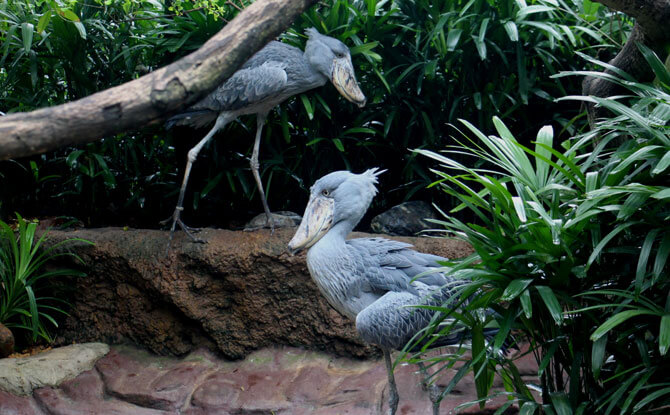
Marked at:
<point>316,221</point>
<point>344,79</point>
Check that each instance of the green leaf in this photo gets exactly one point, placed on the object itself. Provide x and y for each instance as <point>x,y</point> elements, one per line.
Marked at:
<point>561,403</point>
<point>452,39</point>
<point>528,408</point>
<point>81,29</point>
<point>662,164</point>
<point>514,289</point>
<point>523,12</point>
<point>656,64</point>
<point>641,270</point>
<point>308,106</point>
<point>551,302</point>
<point>44,21</point>
<point>664,335</point>
<point>617,319</point>
<point>70,15</point>
<point>338,144</point>
<point>661,257</point>
<point>512,31</point>
<point>603,242</point>
<point>663,194</point>
<point>598,355</point>
<point>526,303</point>
<point>481,47</point>
<point>545,139</point>
<point>479,364</point>
<point>27,31</point>
<point>650,398</point>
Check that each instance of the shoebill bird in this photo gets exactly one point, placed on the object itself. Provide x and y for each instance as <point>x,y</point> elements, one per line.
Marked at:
<point>273,74</point>
<point>371,280</point>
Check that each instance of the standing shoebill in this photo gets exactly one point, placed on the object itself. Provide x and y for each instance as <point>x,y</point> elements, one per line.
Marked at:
<point>273,74</point>
<point>370,280</point>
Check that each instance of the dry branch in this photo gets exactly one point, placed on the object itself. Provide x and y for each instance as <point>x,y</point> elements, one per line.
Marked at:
<point>154,96</point>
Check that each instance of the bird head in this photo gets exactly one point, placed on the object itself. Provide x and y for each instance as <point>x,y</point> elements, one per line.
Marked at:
<point>332,59</point>
<point>339,198</point>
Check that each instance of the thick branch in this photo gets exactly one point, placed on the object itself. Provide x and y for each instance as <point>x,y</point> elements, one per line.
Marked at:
<point>154,96</point>
<point>652,17</point>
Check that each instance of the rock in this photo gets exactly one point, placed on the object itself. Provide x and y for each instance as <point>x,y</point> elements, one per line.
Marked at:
<point>277,380</point>
<point>20,376</point>
<point>18,405</point>
<point>407,219</point>
<point>282,219</point>
<point>239,292</point>
<point>6,341</point>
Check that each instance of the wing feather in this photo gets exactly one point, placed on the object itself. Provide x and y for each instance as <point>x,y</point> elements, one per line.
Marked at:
<point>391,265</point>
<point>248,87</point>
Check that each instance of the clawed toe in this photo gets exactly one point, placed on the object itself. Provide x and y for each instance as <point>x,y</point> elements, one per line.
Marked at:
<point>189,231</point>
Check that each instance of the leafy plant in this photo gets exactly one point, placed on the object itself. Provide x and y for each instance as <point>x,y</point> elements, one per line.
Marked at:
<point>415,62</point>
<point>25,301</point>
<point>571,251</point>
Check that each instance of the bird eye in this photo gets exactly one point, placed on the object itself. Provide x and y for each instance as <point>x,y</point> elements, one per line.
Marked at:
<point>325,192</point>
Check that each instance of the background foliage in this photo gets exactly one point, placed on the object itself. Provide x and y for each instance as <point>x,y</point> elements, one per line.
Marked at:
<point>422,64</point>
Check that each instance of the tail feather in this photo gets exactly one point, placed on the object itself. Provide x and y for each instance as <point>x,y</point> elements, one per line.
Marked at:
<point>197,119</point>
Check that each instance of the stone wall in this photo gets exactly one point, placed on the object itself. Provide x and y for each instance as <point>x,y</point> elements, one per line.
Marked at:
<point>239,292</point>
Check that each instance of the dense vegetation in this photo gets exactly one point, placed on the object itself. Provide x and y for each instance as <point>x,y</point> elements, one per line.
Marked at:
<point>414,61</point>
<point>572,252</point>
<point>570,225</point>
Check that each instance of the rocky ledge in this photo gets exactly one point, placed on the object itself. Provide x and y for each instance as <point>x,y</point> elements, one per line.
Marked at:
<point>237,293</point>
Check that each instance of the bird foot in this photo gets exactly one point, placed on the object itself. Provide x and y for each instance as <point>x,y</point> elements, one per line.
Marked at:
<point>176,220</point>
<point>270,223</point>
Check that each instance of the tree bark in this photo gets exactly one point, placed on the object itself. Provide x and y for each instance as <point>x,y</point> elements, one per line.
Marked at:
<point>651,20</point>
<point>154,96</point>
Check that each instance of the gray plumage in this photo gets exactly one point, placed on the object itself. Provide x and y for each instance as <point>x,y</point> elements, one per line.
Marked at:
<point>374,281</point>
<point>273,74</point>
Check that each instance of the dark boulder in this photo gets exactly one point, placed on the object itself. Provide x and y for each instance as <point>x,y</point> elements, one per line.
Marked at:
<point>406,219</point>
<point>6,341</point>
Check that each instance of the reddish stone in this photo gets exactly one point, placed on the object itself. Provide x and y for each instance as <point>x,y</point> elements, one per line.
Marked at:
<point>18,405</point>
<point>310,386</point>
<point>215,393</point>
<point>149,385</point>
<point>58,403</point>
<point>87,386</point>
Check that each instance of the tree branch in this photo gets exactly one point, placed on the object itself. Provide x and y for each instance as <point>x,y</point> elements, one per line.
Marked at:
<point>154,96</point>
<point>651,20</point>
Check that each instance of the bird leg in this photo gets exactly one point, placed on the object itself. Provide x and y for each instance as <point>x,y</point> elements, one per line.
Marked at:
<point>393,389</point>
<point>221,121</point>
<point>432,388</point>
<point>260,121</point>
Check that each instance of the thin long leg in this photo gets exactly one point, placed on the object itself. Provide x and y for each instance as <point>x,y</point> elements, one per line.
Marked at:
<point>221,121</point>
<point>260,121</point>
<point>433,389</point>
<point>393,389</point>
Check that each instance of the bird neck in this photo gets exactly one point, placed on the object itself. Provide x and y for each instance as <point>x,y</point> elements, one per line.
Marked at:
<point>336,236</point>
